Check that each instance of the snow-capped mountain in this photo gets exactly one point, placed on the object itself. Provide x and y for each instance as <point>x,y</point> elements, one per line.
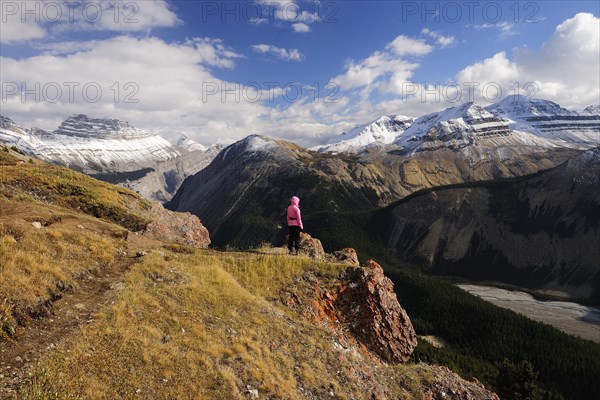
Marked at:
<point>514,120</point>
<point>382,131</point>
<point>591,110</point>
<point>188,144</point>
<point>92,145</point>
<point>113,150</point>
<point>80,125</point>
<point>549,120</point>
<point>470,129</point>
<point>10,133</point>
<point>453,127</point>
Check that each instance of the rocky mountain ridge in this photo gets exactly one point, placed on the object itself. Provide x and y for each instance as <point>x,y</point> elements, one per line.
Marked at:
<point>532,121</point>
<point>383,131</point>
<point>538,231</point>
<point>549,120</point>
<point>252,180</point>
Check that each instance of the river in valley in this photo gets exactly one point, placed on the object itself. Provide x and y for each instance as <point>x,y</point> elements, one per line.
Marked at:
<point>571,318</point>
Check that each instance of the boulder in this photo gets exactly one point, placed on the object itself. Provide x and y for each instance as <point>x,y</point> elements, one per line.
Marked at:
<point>347,256</point>
<point>177,227</point>
<point>369,305</point>
<point>311,246</point>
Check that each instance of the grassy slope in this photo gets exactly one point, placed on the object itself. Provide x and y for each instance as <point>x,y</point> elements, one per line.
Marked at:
<point>186,323</point>
<point>38,264</point>
<point>198,324</point>
<point>206,325</point>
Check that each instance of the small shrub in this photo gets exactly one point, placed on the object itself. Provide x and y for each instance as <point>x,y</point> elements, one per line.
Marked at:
<point>16,150</point>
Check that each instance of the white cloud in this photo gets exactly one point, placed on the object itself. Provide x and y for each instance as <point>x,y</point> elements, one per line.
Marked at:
<point>403,45</point>
<point>258,20</point>
<point>441,40</point>
<point>283,54</point>
<point>384,70</point>
<point>505,28</point>
<point>156,85</point>
<point>301,27</point>
<point>498,69</point>
<point>298,15</point>
<point>37,19</point>
<point>566,68</point>
<point>13,29</point>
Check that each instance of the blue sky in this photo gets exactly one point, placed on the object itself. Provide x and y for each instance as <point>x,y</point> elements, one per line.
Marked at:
<point>162,65</point>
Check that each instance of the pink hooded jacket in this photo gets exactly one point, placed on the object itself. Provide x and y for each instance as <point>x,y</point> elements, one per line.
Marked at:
<point>293,213</point>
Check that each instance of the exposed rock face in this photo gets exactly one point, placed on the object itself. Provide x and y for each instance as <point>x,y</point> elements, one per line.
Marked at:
<point>348,256</point>
<point>182,228</point>
<point>362,302</point>
<point>165,177</point>
<point>82,126</point>
<point>448,385</point>
<point>312,247</point>
<point>540,232</point>
<point>369,306</point>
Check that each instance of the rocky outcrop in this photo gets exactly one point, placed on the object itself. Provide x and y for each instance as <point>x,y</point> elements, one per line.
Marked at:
<point>361,301</point>
<point>347,256</point>
<point>368,304</point>
<point>311,247</point>
<point>182,228</point>
<point>448,385</point>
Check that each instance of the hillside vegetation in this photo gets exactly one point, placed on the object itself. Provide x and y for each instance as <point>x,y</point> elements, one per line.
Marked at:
<point>93,309</point>
<point>100,310</point>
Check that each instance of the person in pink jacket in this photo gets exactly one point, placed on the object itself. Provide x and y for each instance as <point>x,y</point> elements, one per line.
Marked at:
<point>294,222</point>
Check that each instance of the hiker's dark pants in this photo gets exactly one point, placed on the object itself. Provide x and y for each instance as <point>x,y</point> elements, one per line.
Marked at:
<point>294,238</point>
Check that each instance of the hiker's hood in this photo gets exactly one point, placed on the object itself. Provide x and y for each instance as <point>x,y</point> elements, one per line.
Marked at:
<point>295,201</point>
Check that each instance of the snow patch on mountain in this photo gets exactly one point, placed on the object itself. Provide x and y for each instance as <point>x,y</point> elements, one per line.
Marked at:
<point>10,133</point>
<point>185,143</point>
<point>258,143</point>
<point>591,110</point>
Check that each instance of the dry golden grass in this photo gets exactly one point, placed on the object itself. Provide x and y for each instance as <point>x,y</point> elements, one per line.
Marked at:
<point>185,328</point>
<point>187,324</point>
<point>37,264</point>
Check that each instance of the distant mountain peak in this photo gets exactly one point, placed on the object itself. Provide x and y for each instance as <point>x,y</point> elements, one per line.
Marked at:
<point>257,143</point>
<point>592,110</point>
<point>6,122</point>
<point>382,131</point>
<point>185,143</point>
<point>10,132</point>
<point>549,120</point>
<point>80,125</point>
<point>523,106</point>
<point>454,127</point>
